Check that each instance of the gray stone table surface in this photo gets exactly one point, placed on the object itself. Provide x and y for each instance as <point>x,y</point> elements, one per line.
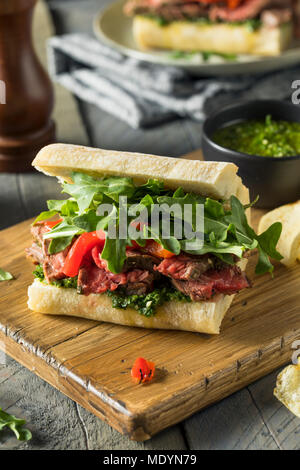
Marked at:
<point>250,419</point>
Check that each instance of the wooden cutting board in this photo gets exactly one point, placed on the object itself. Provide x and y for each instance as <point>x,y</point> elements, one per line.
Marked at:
<point>90,362</point>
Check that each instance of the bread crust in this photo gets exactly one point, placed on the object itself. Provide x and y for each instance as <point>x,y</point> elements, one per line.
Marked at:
<point>203,317</point>
<point>214,179</point>
<point>221,38</point>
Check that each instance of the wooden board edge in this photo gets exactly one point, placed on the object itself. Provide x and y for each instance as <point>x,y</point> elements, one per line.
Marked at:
<point>141,427</point>
<point>104,407</point>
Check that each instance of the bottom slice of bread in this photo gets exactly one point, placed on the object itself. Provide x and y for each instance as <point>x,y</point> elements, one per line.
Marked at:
<point>220,38</point>
<point>204,317</point>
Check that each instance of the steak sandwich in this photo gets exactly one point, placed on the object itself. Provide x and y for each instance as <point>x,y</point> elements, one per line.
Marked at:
<point>260,27</point>
<point>101,253</point>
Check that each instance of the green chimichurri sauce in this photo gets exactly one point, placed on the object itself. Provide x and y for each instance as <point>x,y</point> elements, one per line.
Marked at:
<point>145,304</point>
<point>265,138</point>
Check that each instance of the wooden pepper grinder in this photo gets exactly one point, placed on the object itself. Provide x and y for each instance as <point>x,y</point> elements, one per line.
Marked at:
<point>26,94</point>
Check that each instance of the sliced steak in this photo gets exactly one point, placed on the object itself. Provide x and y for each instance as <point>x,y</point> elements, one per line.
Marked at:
<point>184,267</point>
<point>137,276</point>
<point>169,11</point>
<point>35,253</point>
<point>228,280</point>
<point>248,10</point>
<point>139,282</point>
<point>138,260</point>
<point>173,10</point>
<point>92,279</point>
<point>53,265</point>
<point>196,290</point>
<point>37,231</point>
<point>135,260</point>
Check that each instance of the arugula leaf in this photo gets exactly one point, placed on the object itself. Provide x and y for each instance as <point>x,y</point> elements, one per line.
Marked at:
<point>189,199</point>
<point>267,247</point>
<point>179,193</point>
<point>171,244</point>
<point>104,221</point>
<point>266,242</point>
<point>219,248</point>
<point>85,188</point>
<point>214,208</point>
<point>63,207</point>
<point>114,252</point>
<point>226,231</point>
<point>219,228</point>
<point>143,208</point>
<point>65,229</point>
<point>15,425</point>
<point>59,244</point>
<point>45,215</point>
<point>88,221</point>
<point>5,275</point>
<point>153,187</point>
<point>66,207</point>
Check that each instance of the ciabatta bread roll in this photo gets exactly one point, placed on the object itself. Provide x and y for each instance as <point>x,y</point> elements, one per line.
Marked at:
<point>219,38</point>
<point>211,179</point>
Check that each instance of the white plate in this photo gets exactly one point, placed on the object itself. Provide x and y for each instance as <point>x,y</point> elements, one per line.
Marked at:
<point>112,26</point>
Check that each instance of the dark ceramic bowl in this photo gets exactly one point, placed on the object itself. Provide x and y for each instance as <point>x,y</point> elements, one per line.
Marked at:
<point>275,180</point>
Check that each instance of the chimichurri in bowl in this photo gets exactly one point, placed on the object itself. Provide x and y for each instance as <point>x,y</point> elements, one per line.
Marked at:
<point>263,137</point>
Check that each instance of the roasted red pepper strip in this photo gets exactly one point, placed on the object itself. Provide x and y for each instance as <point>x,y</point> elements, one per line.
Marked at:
<point>230,3</point>
<point>153,248</point>
<point>49,224</point>
<point>142,370</point>
<point>158,250</point>
<point>81,247</point>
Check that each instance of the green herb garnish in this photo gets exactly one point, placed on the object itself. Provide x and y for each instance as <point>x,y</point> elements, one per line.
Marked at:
<point>15,425</point>
<point>144,304</point>
<point>147,304</point>
<point>206,55</point>
<point>178,55</point>
<point>252,24</point>
<point>263,137</point>
<point>70,282</point>
<point>5,275</point>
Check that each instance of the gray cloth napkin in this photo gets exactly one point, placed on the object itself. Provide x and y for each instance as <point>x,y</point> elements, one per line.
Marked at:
<point>144,94</point>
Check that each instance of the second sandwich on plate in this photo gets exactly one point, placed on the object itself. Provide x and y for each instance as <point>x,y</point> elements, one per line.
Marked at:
<point>142,240</point>
<point>259,27</point>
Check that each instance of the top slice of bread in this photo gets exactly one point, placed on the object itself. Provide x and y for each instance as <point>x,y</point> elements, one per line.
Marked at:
<point>218,180</point>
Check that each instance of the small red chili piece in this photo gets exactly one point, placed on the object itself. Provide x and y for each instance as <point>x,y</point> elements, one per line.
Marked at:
<point>142,370</point>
